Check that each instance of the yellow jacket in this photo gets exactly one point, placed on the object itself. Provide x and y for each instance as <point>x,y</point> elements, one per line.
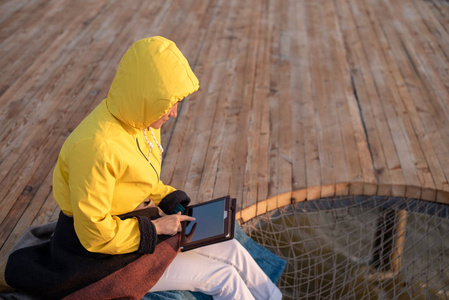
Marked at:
<point>103,169</point>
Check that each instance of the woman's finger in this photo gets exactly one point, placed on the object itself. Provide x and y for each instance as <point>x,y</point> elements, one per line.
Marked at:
<point>186,218</point>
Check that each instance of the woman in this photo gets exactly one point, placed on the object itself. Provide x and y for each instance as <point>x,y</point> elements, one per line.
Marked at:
<point>107,182</point>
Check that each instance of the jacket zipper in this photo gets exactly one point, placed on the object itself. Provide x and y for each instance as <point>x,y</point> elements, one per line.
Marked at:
<point>138,146</point>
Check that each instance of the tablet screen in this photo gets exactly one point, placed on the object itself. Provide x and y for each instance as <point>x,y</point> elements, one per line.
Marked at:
<point>209,218</point>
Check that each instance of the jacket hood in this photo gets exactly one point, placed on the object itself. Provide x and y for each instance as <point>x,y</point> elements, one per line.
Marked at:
<point>152,76</point>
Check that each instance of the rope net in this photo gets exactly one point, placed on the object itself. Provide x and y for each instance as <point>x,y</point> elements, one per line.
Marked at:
<point>359,248</point>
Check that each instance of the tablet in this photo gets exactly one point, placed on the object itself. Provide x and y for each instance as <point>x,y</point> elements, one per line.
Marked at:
<point>215,222</point>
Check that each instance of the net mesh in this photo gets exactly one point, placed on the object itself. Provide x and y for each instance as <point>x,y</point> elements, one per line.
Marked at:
<point>359,248</point>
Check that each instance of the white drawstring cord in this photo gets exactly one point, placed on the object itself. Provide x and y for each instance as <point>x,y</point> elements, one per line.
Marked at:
<point>151,145</point>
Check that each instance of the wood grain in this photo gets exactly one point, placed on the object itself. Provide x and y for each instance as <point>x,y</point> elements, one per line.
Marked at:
<point>298,100</point>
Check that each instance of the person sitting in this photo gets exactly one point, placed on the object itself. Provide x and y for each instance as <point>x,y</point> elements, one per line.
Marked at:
<point>114,207</point>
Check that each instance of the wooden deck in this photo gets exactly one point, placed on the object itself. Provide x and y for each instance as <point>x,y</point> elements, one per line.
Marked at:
<point>298,100</point>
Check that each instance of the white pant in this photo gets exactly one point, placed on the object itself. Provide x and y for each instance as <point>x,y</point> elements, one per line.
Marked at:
<point>224,271</point>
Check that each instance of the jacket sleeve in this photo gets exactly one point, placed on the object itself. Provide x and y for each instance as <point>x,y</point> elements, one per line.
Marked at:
<point>93,170</point>
<point>169,199</point>
<point>174,202</point>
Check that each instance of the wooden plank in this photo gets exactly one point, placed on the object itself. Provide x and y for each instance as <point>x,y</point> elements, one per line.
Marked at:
<point>261,173</point>
<point>411,150</point>
<point>191,51</point>
<point>434,37</point>
<point>249,98</point>
<point>27,135</point>
<point>233,156</point>
<point>313,174</point>
<point>25,210</point>
<point>13,14</point>
<point>23,189</point>
<point>279,97</point>
<point>47,211</point>
<point>440,9</point>
<point>403,157</point>
<point>425,106</point>
<point>71,120</point>
<point>389,173</point>
<point>199,135</point>
<point>216,79</point>
<point>261,163</point>
<point>39,103</point>
<point>426,163</point>
<point>365,84</point>
<point>30,52</point>
<point>270,90</point>
<point>115,51</point>
<point>188,107</point>
<point>23,48</point>
<point>318,117</point>
<point>425,63</point>
<point>361,176</point>
<point>333,100</point>
<point>347,165</point>
<point>286,97</point>
<point>69,117</point>
<point>299,63</point>
<point>436,47</point>
<point>329,135</point>
<point>155,22</point>
<point>364,91</point>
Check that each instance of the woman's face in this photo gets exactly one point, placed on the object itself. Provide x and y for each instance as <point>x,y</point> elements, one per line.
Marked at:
<point>172,112</point>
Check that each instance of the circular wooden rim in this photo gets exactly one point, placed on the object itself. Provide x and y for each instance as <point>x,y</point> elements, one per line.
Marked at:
<point>319,192</point>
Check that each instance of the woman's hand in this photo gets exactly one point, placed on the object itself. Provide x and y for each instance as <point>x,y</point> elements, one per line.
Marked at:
<point>170,224</point>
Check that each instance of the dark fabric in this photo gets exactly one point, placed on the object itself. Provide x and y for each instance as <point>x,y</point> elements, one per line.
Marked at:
<point>134,280</point>
<point>172,200</point>
<point>151,213</point>
<point>61,265</point>
<point>148,236</point>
